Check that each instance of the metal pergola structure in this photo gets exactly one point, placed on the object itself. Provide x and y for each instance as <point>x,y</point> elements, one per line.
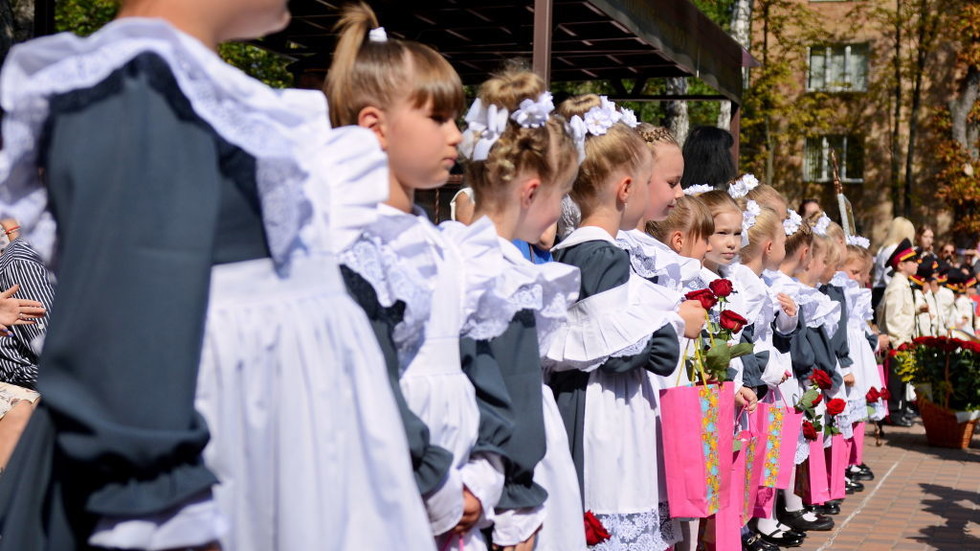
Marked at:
<point>566,41</point>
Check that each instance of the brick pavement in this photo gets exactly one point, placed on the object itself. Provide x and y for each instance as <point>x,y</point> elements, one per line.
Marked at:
<point>922,498</point>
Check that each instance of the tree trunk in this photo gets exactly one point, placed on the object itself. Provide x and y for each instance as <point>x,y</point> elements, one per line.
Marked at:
<point>927,27</point>
<point>897,115</point>
<point>676,118</point>
<point>741,32</point>
<point>963,130</point>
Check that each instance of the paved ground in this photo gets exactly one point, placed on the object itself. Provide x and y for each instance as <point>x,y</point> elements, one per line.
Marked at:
<point>922,498</point>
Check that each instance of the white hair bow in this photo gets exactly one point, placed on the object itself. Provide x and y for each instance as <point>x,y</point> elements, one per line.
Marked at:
<point>484,127</point>
<point>858,240</point>
<point>534,113</point>
<point>378,35</point>
<point>792,224</point>
<point>741,187</point>
<point>752,210</point>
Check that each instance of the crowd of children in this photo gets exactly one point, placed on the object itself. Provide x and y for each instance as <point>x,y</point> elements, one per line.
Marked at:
<point>292,356</point>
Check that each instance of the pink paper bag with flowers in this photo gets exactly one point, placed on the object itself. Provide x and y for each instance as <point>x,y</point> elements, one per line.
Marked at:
<point>726,530</point>
<point>811,476</point>
<point>698,423</point>
<point>837,455</point>
<point>778,430</point>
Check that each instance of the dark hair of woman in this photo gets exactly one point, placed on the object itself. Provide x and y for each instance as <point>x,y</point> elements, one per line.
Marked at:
<point>708,157</point>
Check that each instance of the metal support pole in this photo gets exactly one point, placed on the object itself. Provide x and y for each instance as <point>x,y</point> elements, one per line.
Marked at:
<point>736,130</point>
<point>541,60</point>
<point>43,17</point>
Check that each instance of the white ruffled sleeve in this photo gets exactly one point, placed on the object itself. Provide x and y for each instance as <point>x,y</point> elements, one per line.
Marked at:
<point>614,323</point>
<point>818,309</point>
<point>487,310</point>
<point>350,180</point>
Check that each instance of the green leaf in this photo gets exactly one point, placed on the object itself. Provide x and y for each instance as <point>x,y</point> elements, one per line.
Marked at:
<point>741,349</point>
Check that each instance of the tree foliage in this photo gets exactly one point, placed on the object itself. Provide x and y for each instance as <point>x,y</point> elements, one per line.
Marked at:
<point>84,17</point>
<point>958,177</point>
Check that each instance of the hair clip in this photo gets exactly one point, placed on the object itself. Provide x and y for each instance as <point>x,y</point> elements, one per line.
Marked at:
<point>792,223</point>
<point>698,189</point>
<point>602,117</point>
<point>629,117</point>
<point>752,210</point>
<point>484,127</point>
<point>577,130</point>
<point>534,113</point>
<point>741,187</point>
<point>820,228</point>
<point>378,35</point>
<point>859,241</point>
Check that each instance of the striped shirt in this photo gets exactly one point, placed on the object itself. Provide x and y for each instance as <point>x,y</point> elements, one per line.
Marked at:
<point>21,265</point>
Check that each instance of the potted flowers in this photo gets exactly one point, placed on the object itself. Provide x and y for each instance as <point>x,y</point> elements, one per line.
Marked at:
<point>946,372</point>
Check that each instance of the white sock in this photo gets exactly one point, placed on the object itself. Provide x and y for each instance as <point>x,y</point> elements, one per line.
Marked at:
<point>689,536</point>
<point>767,526</point>
<point>793,502</point>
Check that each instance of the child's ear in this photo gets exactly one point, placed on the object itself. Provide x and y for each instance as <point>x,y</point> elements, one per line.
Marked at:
<point>373,119</point>
<point>768,248</point>
<point>624,189</point>
<point>676,241</point>
<point>530,189</point>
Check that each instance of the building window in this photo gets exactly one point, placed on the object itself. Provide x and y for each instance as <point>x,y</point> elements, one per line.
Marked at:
<point>838,68</point>
<point>850,155</point>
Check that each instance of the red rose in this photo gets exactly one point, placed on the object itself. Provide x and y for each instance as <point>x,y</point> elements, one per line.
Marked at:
<point>817,400</point>
<point>732,321</point>
<point>872,396</point>
<point>704,296</point>
<point>885,394</point>
<point>821,379</point>
<point>836,406</point>
<point>809,432</point>
<point>721,287</point>
<point>595,532</point>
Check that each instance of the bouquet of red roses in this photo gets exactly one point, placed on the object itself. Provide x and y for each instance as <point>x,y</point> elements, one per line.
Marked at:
<point>813,424</point>
<point>714,352</point>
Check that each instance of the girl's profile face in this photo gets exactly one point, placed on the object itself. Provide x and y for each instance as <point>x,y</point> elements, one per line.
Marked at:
<point>545,207</point>
<point>421,145</point>
<point>665,181</point>
<point>854,269</point>
<point>727,239</point>
<point>778,252</point>
<point>638,203</point>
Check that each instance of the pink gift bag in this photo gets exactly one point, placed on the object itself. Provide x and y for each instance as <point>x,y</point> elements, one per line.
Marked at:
<point>811,476</point>
<point>837,455</point>
<point>726,532</point>
<point>857,445</point>
<point>698,423</point>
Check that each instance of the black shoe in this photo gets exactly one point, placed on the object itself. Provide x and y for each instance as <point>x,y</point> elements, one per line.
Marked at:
<point>796,521</point>
<point>899,421</point>
<point>855,472</point>
<point>782,538</point>
<point>853,486</point>
<point>756,543</point>
<point>827,508</point>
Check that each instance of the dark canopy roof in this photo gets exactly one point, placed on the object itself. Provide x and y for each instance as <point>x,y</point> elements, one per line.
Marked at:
<point>592,39</point>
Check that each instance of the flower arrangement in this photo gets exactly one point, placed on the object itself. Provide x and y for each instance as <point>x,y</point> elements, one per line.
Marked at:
<point>950,366</point>
<point>813,424</point>
<point>715,350</point>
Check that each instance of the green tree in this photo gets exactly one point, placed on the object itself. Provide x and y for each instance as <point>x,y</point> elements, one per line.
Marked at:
<point>84,17</point>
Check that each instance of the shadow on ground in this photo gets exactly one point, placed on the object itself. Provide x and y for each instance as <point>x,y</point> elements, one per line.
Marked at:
<point>948,503</point>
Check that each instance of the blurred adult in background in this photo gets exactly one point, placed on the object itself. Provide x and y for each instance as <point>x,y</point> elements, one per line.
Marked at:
<point>21,265</point>
<point>809,207</point>
<point>708,157</point>
<point>924,245</point>
<point>899,229</point>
